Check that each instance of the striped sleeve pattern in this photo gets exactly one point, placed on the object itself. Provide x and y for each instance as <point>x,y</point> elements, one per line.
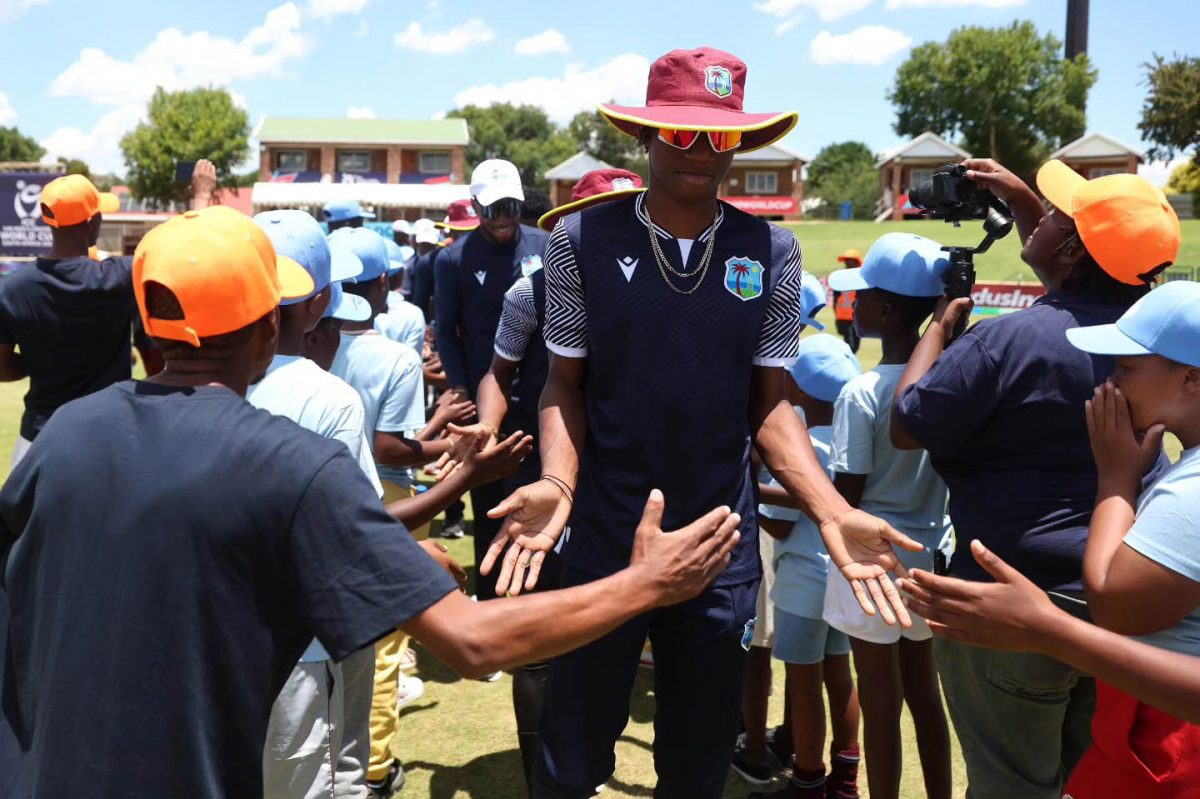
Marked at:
<point>779,339</point>
<point>518,321</point>
<point>566,314</point>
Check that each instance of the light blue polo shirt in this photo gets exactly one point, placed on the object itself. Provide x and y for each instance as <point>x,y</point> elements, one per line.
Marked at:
<point>801,561</point>
<point>389,379</point>
<point>1167,531</point>
<point>403,322</point>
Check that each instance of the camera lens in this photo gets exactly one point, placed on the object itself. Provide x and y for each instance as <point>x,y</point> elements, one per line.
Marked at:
<point>922,195</point>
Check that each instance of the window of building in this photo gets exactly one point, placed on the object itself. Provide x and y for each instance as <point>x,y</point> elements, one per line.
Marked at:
<point>354,161</point>
<point>434,163</point>
<point>1101,171</point>
<point>918,176</point>
<point>762,183</point>
<point>291,161</point>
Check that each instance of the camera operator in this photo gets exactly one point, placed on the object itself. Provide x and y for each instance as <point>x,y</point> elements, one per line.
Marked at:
<point>1001,412</point>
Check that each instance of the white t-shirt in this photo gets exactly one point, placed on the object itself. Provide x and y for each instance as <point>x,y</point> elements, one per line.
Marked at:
<point>402,322</point>
<point>297,389</point>
<point>1167,531</point>
<point>389,379</point>
<point>902,487</point>
<point>801,562</point>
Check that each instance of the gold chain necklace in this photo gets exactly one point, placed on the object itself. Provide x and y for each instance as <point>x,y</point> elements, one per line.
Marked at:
<point>664,265</point>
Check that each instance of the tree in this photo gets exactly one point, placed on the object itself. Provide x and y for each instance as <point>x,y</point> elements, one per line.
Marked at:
<point>601,140</point>
<point>1171,112</point>
<point>15,146</point>
<point>1005,92</point>
<point>845,172</point>
<point>75,166</point>
<point>523,134</point>
<point>1185,179</point>
<point>184,126</point>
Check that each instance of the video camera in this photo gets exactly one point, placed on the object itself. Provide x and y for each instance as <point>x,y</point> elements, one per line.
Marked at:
<point>951,196</point>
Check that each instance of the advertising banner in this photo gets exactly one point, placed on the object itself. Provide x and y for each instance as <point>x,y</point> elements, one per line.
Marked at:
<point>992,299</point>
<point>764,205</point>
<point>22,231</point>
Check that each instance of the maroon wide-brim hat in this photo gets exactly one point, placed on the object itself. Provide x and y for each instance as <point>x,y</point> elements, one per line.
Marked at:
<point>597,186</point>
<point>460,217</point>
<point>699,90</point>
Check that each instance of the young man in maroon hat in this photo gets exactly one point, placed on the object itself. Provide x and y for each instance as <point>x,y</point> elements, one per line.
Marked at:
<point>670,316</point>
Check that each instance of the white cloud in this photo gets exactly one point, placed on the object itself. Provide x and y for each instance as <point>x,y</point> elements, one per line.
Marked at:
<point>11,9</point>
<point>360,112</point>
<point>175,60</point>
<point>363,29</point>
<point>7,113</point>
<point>328,9</point>
<point>871,45</point>
<point>99,147</point>
<point>894,4</point>
<point>456,40</point>
<point>1159,172</point>
<point>827,10</point>
<point>787,25</point>
<point>438,115</point>
<point>622,79</point>
<point>548,41</point>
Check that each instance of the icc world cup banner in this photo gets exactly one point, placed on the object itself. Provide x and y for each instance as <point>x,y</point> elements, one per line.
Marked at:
<point>22,231</point>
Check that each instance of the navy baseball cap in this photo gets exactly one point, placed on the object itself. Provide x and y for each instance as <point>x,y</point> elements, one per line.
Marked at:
<point>824,365</point>
<point>370,248</point>
<point>902,263</point>
<point>298,236</point>
<point>1165,322</point>
<point>341,210</point>
<point>812,299</point>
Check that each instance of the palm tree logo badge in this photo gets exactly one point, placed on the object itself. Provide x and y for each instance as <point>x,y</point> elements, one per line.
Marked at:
<point>743,278</point>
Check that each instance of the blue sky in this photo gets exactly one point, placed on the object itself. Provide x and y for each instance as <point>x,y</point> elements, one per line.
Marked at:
<point>76,75</point>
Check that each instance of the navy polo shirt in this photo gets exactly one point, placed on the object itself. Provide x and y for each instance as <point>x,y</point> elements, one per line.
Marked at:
<point>668,375</point>
<point>472,276</point>
<point>1001,413</point>
<point>422,282</point>
<point>72,320</point>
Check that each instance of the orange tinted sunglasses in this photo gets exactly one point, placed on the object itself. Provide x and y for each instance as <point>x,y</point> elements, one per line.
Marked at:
<point>722,141</point>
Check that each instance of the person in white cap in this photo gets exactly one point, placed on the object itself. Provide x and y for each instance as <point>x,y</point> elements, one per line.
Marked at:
<point>472,276</point>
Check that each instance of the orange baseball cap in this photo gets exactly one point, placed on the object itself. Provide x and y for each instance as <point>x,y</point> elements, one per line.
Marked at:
<point>1125,223</point>
<point>73,200</point>
<point>850,255</point>
<point>222,269</point>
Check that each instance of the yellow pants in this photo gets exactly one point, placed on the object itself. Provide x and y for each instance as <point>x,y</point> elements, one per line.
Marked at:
<point>388,653</point>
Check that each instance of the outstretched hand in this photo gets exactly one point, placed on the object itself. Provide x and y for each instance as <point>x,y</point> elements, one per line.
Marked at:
<point>1011,613</point>
<point>681,563</point>
<point>861,546</point>
<point>536,516</point>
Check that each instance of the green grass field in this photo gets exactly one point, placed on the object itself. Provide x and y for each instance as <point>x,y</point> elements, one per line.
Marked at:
<point>459,739</point>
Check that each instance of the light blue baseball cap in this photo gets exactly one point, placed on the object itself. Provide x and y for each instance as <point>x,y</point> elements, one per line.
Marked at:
<point>341,210</point>
<point>370,248</point>
<point>812,299</point>
<point>1165,322</point>
<point>824,365</point>
<point>347,307</point>
<point>902,263</point>
<point>396,257</point>
<point>298,236</point>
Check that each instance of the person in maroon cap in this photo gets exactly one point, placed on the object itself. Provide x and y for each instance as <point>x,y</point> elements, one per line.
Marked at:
<point>670,316</point>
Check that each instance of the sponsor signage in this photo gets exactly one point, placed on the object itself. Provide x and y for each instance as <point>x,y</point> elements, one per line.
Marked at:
<point>765,205</point>
<point>992,299</point>
<point>22,231</point>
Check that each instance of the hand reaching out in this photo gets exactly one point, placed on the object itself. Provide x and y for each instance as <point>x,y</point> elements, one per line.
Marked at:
<point>861,546</point>
<point>536,516</point>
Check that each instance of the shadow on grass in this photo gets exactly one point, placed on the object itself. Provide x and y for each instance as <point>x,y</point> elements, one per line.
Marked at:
<point>432,670</point>
<point>496,775</point>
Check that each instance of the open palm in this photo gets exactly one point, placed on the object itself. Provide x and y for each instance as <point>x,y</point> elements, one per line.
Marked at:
<point>862,547</point>
<point>534,519</point>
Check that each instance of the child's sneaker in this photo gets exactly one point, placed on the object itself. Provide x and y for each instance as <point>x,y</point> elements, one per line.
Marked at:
<point>389,785</point>
<point>410,690</point>
<point>779,744</point>
<point>802,785</point>
<point>750,770</point>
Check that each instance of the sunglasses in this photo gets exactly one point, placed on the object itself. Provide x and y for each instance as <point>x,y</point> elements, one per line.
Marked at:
<point>506,207</point>
<point>722,141</point>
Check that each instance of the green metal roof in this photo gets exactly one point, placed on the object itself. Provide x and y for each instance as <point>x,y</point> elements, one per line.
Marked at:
<point>296,130</point>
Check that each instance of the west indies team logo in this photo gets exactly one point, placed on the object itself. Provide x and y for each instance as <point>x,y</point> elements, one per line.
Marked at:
<point>743,278</point>
<point>718,81</point>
